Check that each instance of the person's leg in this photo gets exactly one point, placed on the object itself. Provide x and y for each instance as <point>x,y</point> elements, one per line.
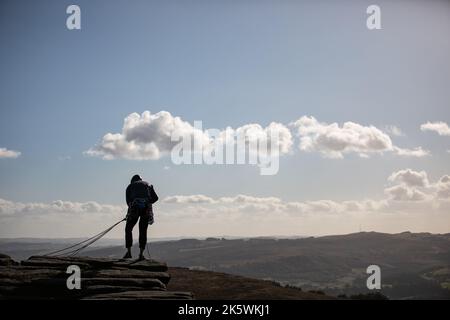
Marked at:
<point>143,225</point>
<point>131,222</point>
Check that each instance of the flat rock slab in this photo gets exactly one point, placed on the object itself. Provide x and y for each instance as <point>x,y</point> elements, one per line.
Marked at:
<point>106,289</point>
<point>120,282</point>
<point>87,262</point>
<point>142,295</point>
<point>164,277</point>
<point>6,260</point>
<point>42,277</point>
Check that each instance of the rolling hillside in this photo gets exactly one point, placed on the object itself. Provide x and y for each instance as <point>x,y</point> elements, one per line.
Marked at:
<point>413,265</point>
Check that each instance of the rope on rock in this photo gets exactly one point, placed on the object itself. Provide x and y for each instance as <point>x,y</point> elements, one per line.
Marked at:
<point>84,244</point>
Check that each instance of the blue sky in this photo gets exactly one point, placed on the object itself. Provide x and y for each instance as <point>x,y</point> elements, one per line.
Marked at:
<point>227,63</point>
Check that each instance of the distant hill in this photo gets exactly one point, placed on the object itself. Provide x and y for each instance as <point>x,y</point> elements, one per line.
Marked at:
<point>413,265</point>
<point>208,285</point>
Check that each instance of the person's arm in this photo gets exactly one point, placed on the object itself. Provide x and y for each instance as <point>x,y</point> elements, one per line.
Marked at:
<point>128,196</point>
<point>153,196</point>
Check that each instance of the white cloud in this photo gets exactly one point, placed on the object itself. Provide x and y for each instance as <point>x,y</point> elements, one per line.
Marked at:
<point>144,137</point>
<point>57,207</point>
<point>240,199</point>
<point>443,187</point>
<point>416,152</point>
<point>410,178</point>
<point>410,185</point>
<point>394,130</point>
<point>148,136</point>
<point>198,198</point>
<point>59,218</point>
<point>404,193</point>
<point>440,128</point>
<point>245,204</point>
<point>5,153</point>
<point>334,141</point>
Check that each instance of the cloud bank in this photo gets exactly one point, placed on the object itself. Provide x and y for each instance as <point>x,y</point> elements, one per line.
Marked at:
<point>148,137</point>
<point>410,200</point>
<point>405,189</point>
<point>10,208</point>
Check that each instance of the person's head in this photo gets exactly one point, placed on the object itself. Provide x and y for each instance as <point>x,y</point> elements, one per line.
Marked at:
<point>135,178</point>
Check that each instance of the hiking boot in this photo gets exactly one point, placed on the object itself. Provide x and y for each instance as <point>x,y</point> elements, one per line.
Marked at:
<point>141,257</point>
<point>127,255</point>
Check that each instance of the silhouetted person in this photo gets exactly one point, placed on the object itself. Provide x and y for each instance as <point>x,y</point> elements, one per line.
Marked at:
<point>140,196</point>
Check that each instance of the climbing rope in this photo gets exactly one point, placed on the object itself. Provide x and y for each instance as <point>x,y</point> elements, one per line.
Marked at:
<point>78,247</point>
